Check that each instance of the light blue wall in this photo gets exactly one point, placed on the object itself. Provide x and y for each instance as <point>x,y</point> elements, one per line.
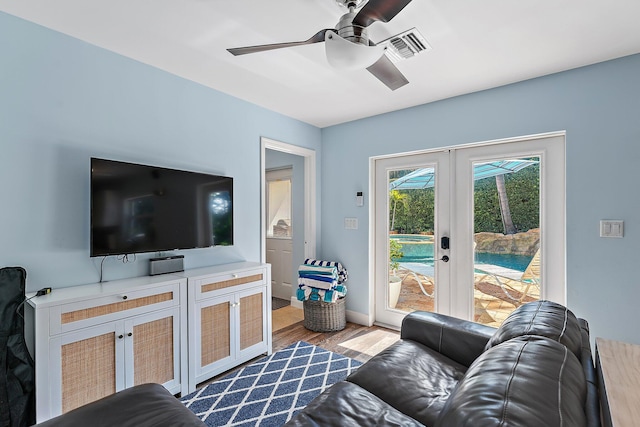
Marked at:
<point>278,159</point>
<point>598,106</point>
<point>63,101</point>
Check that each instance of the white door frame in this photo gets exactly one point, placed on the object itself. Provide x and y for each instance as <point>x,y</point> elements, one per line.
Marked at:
<point>309,194</point>
<point>557,253</point>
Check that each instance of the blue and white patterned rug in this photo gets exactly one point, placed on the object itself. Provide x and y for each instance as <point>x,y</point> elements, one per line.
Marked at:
<point>270,391</point>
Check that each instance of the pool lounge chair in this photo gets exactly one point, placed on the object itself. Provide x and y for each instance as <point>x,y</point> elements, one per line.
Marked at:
<point>530,277</point>
<point>419,271</point>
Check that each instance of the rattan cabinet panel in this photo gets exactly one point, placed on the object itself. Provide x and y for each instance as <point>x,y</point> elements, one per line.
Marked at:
<point>208,285</point>
<point>215,336</point>
<point>153,343</point>
<point>89,369</point>
<point>251,320</point>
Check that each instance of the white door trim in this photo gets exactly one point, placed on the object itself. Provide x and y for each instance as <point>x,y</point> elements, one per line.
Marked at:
<point>309,193</point>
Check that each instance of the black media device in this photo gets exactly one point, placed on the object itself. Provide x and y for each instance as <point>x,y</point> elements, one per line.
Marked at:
<point>138,208</point>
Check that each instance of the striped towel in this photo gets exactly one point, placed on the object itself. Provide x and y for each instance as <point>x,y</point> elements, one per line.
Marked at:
<point>320,284</point>
<point>314,271</point>
<point>318,278</point>
<point>314,294</point>
<point>342,272</point>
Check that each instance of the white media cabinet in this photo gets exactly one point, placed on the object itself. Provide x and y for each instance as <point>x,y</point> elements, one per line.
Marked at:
<point>176,329</point>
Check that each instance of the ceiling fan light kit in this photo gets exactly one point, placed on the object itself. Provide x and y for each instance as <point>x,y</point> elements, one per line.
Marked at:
<point>348,46</point>
<point>345,55</point>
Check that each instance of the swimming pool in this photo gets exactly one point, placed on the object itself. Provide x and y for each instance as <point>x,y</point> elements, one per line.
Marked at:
<point>514,262</point>
<point>415,247</point>
<point>419,248</point>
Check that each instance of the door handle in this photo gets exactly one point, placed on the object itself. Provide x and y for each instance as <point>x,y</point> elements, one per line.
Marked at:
<point>444,244</point>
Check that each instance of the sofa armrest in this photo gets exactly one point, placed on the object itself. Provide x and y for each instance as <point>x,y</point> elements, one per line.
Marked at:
<point>459,340</point>
<point>592,405</point>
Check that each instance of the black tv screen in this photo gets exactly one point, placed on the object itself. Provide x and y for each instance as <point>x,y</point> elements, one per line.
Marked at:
<point>138,208</point>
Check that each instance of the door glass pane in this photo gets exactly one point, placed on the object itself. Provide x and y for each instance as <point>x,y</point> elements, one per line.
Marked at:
<point>411,228</point>
<point>279,208</point>
<point>506,236</point>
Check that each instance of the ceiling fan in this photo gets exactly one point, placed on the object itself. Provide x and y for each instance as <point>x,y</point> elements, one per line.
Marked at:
<point>348,46</point>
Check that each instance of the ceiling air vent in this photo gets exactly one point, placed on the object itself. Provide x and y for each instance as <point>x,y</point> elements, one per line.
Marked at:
<point>406,45</point>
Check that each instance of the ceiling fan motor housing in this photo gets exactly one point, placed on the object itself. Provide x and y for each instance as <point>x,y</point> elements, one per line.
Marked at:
<point>353,33</point>
<point>350,3</point>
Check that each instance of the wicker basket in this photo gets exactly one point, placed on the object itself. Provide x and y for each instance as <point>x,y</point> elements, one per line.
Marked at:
<point>322,316</point>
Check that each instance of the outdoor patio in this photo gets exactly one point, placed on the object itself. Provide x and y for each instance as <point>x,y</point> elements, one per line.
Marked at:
<point>492,304</point>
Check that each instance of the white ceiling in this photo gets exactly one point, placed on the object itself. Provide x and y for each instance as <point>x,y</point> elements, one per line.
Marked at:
<point>476,45</point>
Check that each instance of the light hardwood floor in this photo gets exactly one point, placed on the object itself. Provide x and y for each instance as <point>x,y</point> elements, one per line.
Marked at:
<point>355,341</point>
<point>285,316</point>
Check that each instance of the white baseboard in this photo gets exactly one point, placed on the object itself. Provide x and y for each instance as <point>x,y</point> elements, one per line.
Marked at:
<point>295,303</point>
<point>358,318</point>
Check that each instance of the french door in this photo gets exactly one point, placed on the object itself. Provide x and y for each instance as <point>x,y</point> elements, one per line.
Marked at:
<point>472,232</point>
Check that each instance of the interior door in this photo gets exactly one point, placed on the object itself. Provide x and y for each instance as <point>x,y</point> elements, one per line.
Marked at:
<point>473,232</point>
<point>279,242</point>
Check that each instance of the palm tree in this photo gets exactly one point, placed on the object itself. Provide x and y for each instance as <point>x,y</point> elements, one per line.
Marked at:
<point>396,196</point>
<point>505,212</point>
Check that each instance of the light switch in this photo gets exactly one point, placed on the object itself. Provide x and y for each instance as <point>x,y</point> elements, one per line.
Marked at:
<point>611,228</point>
<point>351,223</point>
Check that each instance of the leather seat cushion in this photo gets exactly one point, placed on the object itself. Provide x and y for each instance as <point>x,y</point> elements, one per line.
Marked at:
<point>348,405</point>
<point>542,318</point>
<point>527,381</point>
<point>412,378</point>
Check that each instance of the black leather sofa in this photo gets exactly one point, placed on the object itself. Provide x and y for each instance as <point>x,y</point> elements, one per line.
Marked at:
<point>535,370</point>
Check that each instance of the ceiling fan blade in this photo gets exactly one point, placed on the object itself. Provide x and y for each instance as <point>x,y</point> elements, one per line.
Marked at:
<point>316,38</point>
<point>387,73</point>
<point>379,10</point>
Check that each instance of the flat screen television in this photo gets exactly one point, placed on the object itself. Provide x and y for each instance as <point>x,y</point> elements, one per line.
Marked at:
<point>138,208</point>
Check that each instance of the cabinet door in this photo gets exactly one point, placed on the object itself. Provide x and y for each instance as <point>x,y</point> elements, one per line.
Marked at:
<point>214,346</point>
<point>84,366</point>
<point>252,325</point>
<point>152,349</point>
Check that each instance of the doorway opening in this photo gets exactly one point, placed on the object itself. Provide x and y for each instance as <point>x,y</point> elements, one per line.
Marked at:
<point>300,228</point>
<point>280,223</point>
